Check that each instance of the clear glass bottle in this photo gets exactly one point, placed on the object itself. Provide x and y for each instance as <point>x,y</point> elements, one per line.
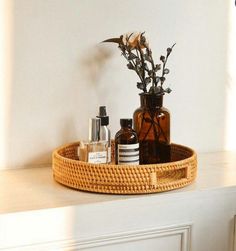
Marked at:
<point>94,151</point>
<point>105,134</point>
<point>126,144</point>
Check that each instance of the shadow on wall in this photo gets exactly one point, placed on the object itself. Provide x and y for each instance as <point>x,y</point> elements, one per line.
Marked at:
<point>42,94</point>
<point>94,62</point>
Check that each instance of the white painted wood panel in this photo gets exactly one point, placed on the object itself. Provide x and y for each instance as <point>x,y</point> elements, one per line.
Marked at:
<point>234,234</point>
<point>65,219</point>
<point>169,238</point>
<point>172,238</point>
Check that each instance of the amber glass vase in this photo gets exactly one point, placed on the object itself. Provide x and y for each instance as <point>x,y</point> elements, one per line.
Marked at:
<point>152,124</point>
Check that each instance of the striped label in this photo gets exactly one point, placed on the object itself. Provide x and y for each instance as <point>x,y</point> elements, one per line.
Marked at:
<point>128,154</point>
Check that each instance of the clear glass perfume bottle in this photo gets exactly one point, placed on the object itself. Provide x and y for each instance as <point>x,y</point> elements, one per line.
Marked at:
<point>94,151</point>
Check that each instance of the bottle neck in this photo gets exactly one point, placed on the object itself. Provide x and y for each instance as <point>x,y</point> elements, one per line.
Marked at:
<point>126,127</point>
<point>151,100</point>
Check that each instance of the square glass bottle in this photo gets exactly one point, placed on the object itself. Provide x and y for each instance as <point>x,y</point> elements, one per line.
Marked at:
<point>94,151</point>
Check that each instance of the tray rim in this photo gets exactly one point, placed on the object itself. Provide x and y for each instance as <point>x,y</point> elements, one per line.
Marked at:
<point>76,143</point>
<point>189,164</point>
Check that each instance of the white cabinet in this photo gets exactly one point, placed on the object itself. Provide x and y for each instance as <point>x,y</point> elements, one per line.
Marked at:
<point>43,215</point>
<point>234,232</point>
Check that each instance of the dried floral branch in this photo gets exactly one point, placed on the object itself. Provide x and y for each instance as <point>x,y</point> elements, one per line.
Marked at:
<point>136,51</point>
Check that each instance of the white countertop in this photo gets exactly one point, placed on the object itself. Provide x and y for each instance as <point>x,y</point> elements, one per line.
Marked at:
<point>34,188</point>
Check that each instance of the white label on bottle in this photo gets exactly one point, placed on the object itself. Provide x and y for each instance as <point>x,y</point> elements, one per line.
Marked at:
<point>97,157</point>
<point>128,154</point>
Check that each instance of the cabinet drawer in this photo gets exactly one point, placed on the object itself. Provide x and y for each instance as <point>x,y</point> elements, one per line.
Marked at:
<point>175,238</point>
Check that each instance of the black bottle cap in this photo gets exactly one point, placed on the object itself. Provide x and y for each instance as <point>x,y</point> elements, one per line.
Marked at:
<point>126,122</point>
<point>103,116</point>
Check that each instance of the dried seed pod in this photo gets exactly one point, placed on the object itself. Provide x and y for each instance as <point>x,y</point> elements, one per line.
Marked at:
<point>148,80</point>
<point>130,66</point>
<point>141,86</point>
<point>169,50</point>
<point>162,58</point>
<point>168,90</point>
<point>162,79</point>
<point>166,71</point>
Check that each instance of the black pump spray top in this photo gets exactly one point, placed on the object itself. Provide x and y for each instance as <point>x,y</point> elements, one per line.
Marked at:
<point>103,116</point>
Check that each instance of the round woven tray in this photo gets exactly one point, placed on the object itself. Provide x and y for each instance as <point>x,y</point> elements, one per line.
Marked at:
<point>122,179</point>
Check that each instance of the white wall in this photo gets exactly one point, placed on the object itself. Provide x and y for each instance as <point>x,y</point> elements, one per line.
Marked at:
<point>60,74</point>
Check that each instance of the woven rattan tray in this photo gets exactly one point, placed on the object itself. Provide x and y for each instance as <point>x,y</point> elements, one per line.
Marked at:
<point>121,179</point>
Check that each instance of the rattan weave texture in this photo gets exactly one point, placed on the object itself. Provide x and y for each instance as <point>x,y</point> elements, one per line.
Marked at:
<point>122,179</point>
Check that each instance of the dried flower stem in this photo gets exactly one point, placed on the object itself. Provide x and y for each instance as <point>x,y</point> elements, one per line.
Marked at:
<point>169,50</point>
<point>136,51</point>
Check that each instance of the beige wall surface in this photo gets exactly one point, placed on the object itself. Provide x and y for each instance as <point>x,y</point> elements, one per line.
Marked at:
<point>55,74</point>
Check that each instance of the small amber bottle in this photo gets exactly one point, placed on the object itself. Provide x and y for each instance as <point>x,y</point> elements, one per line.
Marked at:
<point>126,144</point>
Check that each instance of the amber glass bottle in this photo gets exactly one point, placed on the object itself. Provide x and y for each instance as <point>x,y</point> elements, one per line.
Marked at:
<point>152,124</point>
<point>126,144</point>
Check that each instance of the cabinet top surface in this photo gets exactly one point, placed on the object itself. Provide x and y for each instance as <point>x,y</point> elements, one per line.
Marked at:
<point>34,188</point>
